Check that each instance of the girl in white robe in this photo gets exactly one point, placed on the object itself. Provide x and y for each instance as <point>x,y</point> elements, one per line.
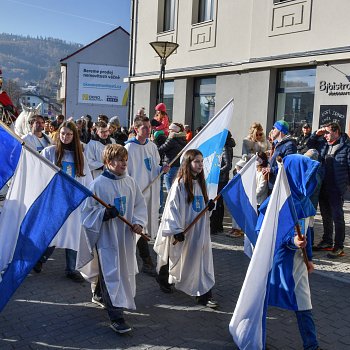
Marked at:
<point>189,263</point>
<point>68,155</point>
<point>109,237</point>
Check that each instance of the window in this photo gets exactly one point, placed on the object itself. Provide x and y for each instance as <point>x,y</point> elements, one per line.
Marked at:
<point>295,97</point>
<point>205,10</point>
<point>168,98</point>
<point>169,15</point>
<point>204,101</point>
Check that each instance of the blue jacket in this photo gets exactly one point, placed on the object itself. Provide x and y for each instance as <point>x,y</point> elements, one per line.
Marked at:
<point>341,160</point>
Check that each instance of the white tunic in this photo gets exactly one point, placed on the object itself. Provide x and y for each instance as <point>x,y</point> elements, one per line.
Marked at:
<point>69,234</point>
<point>143,166</point>
<point>93,153</point>
<point>115,242</point>
<point>190,262</point>
<point>36,143</point>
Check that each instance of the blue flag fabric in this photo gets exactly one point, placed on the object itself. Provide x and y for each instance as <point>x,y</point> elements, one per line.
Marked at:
<point>10,151</point>
<point>240,198</point>
<point>210,141</point>
<point>39,200</point>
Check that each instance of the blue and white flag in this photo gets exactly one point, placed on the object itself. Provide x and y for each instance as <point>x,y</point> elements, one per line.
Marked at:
<point>240,198</point>
<point>210,141</point>
<point>39,200</point>
<point>248,322</point>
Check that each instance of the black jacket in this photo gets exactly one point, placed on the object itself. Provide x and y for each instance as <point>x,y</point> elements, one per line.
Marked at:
<point>172,147</point>
<point>336,168</point>
<point>226,160</point>
<point>302,143</point>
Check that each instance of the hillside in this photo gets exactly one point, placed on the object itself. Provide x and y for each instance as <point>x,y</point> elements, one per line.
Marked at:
<point>33,60</point>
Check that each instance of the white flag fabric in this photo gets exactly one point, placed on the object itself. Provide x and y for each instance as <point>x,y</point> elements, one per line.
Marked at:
<point>247,325</point>
<point>210,141</point>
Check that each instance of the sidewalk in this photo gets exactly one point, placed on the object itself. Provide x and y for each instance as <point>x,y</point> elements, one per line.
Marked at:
<point>51,312</point>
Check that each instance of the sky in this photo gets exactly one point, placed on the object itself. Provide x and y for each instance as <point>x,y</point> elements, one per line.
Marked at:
<point>77,21</point>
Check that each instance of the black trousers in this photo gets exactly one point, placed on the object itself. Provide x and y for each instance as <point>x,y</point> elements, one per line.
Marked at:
<point>142,246</point>
<point>331,207</point>
<point>217,215</point>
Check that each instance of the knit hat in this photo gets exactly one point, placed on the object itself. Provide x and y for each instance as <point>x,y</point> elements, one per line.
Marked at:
<point>174,127</point>
<point>282,126</point>
<point>161,107</point>
<point>158,133</point>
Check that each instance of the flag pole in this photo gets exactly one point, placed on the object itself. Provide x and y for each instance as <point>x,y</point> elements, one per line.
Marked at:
<point>188,145</point>
<point>56,168</point>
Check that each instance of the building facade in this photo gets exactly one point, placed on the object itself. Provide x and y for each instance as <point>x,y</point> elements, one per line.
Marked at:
<point>278,59</point>
<point>92,78</point>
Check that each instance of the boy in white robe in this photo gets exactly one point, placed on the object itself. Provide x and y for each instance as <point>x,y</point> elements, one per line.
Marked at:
<point>143,166</point>
<point>111,238</point>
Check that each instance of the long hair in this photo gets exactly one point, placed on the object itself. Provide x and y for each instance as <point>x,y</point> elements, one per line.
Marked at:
<point>75,147</point>
<point>186,175</point>
<point>253,130</point>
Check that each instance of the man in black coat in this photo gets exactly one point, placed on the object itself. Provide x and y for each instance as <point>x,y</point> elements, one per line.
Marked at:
<point>334,150</point>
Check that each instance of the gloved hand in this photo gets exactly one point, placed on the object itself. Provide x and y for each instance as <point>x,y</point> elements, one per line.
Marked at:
<point>211,205</point>
<point>110,213</point>
<point>155,122</point>
<point>180,237</point>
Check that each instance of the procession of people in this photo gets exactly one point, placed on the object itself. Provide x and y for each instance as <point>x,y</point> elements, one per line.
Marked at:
<point>124,169</point>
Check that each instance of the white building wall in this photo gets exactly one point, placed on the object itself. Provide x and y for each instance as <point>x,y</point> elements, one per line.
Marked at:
<point>113,49</point>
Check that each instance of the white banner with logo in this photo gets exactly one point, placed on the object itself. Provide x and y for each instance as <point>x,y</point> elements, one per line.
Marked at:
<point>102,84</point>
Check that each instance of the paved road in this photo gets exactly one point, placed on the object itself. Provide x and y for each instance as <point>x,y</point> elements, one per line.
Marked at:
<point>51,312</point>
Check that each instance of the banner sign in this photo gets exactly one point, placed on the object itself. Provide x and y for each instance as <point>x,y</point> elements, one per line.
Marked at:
<point>333,113</point>
<point>101,84</point>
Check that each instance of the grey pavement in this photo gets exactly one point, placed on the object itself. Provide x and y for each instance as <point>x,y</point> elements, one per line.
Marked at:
<point>49,311</point>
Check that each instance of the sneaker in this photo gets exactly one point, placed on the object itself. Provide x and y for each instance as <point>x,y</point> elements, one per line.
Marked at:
<point>120,327</point>
<point>38,267</point>
<point>212,304</point>
<point>323,246</point>
<point>336,253</point>
<point>98,301</point>
<point>75,276</point>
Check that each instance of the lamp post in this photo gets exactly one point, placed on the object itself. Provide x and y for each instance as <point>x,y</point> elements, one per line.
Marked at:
<point>164,49</point>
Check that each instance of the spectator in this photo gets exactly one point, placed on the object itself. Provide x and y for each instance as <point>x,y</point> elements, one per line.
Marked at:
<point>189,134</point>
<point>255,141</point>
<point>303,138</point>
<point>115,131</point>
<point>334,149</point>
<point>161,120</point>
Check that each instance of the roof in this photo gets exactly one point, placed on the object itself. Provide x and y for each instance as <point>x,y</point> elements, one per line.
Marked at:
<point>93,42</point>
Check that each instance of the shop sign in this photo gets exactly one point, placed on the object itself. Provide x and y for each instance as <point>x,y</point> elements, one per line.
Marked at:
<point>335,89</point>
<point>333,114</point>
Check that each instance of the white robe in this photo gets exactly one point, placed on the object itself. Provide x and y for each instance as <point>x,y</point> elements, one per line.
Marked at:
<point>36,143</point>
<point>93,153</point>
<point>190,262</point>
<point>143,166</point>
<point>69,234</point>
<point>114,240</point>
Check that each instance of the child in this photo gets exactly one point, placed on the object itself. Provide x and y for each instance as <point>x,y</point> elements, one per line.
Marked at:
<point>144,168</point>
<point>189,263</point>
<point>114,241</point>
<point>262,187</point>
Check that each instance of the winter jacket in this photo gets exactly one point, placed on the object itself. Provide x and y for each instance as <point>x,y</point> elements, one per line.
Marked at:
<point>336,167</point>
<point>302,143</point>
<point>172,147</point>
<point>226,160</point>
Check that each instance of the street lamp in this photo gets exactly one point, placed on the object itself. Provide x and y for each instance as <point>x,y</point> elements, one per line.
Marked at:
<point>164,49</point>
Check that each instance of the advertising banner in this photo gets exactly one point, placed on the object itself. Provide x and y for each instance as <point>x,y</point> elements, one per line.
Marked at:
<point>102,84</point>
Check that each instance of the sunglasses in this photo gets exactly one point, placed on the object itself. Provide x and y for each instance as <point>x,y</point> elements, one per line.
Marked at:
<point>259,134</point>
<point>326,133</point>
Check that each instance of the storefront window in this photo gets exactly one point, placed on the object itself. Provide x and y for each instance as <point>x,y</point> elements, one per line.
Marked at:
<point>168,98</point>
<point>295,97</point>
<point>204,101</point>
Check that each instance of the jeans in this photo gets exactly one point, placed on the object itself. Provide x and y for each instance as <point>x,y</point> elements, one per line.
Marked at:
<point>307,329</point>
<point>170,176</point>
<point>71,258</point>
<point>331,207</point>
